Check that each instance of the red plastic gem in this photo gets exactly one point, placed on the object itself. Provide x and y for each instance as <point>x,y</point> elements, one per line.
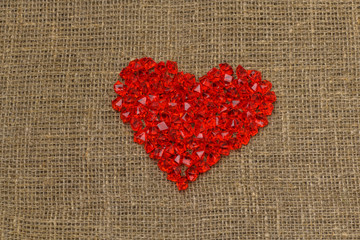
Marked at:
<point>185,124</point>
<point>117,103</point>
<point>182,183</point>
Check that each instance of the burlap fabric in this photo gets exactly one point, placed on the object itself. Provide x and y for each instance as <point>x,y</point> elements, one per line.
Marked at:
<point>69,167</point>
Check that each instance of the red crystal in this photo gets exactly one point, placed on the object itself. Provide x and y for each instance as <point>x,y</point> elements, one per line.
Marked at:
<point>182,183</point>
<point>191,173</point>
<point>140,137</point>
<point>202,167</point>
<point>162,126</point>
<point>119,88</point>
<point>185,124</point>
<point>212,158</point>
<point>117,104</point>
<point>174,175</point>
<point>171,67</point>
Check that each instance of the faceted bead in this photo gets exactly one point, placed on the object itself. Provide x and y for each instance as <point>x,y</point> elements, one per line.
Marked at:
<point>200,154</point>
<point>192,144</point>
<point>166,165</point>
<point>213,147</point>
<point>178,79</point>
<point>120,88</point>
<point>234,143</point>
<point>223,108</point>
<point>264,86</point>
<point>136,65</point>
<point>234,124</point>
<point>178,159</point>
<point>140,137</point>
<point>153,131</point>
<point>148,63</point>
<point>254,86</point>
<point>186,106</point>
<point>151,117</point>
<point>226,69</point>
<point>202,167</point>
<point>241,73</point>
<point>140,111</point>
<point>186,131</point>
<point>171,67</point>
<point>189,80</point>
<point>174,175</point>
<point>199,136</point>
<point>165,117</point>
<point>175,122</point>
<point>243,137</point>
<point>214,75</point>
<point>136,124</point>
<point>179,148</point>
<point>212,158</point>
<point>131,80</point>
<point>142,101</point>
<point>225,149</point>
<point>182,184</point>
<point>248,116</point>
<point>261,120</point>
<point>191,173</point>
<point>252,128</point>
<point>186,161</point>
<point>209,123</point>
<point>117,104</point>
<point>254,75</point>
<point>125,116</point>
<point>157,153</point>
<point>173,135</point>
<point>254,101</point>
<point>160,68</point>
<point>186,118</point>
<point>171,149</point>
<point>165,154</point>
<point>198,88</point>
<point>162,126</point>
<point>149,147</point>
<point>203,112</point>
<point>167,82</point>
<point>234,103</point>
<point>130,100</point>
<point>172,106</point>
<point>162,139</point>
<point>228,79</point>
<point>266,108</point>
<point>270,97</point>
<point>205,82</point>
<point>126,73</point>
<point>152,97</point>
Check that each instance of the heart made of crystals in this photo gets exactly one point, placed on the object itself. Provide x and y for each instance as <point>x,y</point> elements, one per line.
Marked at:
<point>186,125</point>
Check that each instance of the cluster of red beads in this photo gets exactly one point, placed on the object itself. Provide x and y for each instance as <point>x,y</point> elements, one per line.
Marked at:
<point>183,122</point>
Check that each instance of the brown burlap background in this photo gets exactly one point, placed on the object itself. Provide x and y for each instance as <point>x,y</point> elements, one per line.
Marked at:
<point>69,167</point>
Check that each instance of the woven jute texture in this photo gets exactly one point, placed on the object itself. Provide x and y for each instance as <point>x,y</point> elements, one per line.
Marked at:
<point>69,168</point>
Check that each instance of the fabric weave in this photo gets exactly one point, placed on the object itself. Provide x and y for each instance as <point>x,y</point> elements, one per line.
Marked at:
<point>69,168</point>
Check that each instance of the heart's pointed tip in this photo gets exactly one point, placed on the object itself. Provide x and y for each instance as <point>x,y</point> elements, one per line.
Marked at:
<point>182,189</point>
<point>182,184</point>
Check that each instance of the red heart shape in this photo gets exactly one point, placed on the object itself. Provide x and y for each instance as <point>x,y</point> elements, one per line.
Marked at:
<point>185,123</point>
